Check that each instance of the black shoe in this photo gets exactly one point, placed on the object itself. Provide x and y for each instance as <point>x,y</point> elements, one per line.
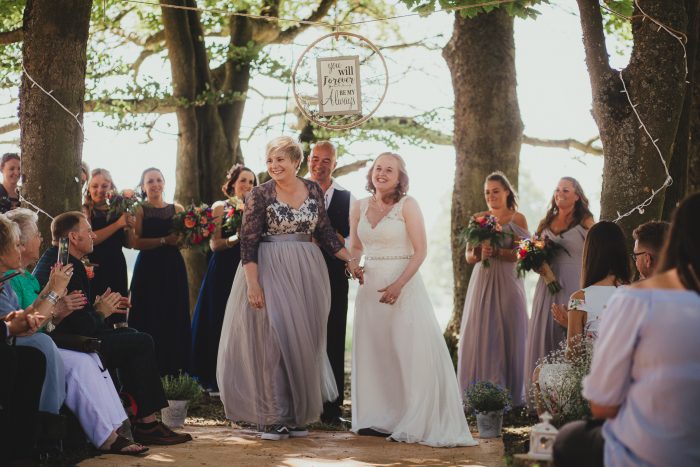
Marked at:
<point>275,433</point>
<point>371,432</point>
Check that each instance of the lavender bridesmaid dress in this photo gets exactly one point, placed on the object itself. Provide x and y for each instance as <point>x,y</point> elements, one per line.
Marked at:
<point>494,326</point>
<point>544,334</point>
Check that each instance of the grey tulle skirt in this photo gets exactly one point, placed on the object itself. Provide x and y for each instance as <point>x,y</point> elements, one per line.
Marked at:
<point>272,365</point>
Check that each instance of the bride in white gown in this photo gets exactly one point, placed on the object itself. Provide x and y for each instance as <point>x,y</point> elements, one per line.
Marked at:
<point>403,383</point>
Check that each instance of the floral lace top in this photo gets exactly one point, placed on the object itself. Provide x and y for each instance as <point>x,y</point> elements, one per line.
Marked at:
<point>264,215</point>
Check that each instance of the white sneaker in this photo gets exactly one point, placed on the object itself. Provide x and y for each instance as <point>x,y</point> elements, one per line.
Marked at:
<point>298,432</point>
<point>275,433</point>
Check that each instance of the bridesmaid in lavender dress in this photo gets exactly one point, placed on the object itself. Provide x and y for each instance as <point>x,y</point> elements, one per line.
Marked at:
<point>494,321</point>
<point>567,222</point>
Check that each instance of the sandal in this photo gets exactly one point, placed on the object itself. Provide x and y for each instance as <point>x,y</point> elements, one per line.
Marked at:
<point>120,443</point>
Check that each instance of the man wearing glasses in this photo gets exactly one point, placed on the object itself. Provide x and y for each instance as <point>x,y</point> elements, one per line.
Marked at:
<point>648,240</point>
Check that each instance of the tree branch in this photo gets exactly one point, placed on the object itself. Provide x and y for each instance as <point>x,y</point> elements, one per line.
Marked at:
<point>408,126</point>
<point>352,167</point>
<point>146,106</point>
<point>569,143</point>
<point>10,37</point>
<point>597,58</point>
<point>9,127</point>
<point>288,35</point>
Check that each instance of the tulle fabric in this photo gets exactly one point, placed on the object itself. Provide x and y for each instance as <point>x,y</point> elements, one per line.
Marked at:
<point>494,326</point>
<point>403,381</point>
<point>272,365</point>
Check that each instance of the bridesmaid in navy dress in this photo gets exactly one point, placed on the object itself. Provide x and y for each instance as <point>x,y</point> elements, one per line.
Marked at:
<point>216,286</point>
<point>159,294</point>
<point>110,231</point>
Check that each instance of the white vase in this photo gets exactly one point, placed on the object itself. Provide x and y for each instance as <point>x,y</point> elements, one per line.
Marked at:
<point>489,424</point>
<point>174,414</point>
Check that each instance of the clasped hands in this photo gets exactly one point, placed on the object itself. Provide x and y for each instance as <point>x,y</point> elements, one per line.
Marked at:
<point>353,270</point>
<point>20,323</point>
<point>560,315</point>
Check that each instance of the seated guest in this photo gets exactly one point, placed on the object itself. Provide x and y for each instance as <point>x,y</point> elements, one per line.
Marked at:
<point>648,240</point>
<point>53,392</point>
<point>605,267</point>
<point>125,349</point>
<point>22,371</point>
<point>90,392</point>
<point>644,385</point>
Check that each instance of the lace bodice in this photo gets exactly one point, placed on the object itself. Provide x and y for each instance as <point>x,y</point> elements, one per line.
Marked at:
<point>389,237</point>
<point>265,215</point>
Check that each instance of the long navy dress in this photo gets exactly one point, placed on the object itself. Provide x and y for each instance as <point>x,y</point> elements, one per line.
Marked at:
<point>110,270</point>
<point>209,311</point>
<point>159,295</point>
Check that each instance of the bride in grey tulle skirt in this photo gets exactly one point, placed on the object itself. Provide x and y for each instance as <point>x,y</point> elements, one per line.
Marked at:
<point>272,367</point>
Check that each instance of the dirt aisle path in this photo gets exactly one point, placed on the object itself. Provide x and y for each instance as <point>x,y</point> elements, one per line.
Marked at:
<point>219,446</point>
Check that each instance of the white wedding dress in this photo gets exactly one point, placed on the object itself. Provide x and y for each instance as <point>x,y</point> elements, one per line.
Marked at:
<point>403,381</point>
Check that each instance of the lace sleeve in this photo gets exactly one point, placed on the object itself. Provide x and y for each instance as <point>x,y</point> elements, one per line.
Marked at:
<point>253,226</point>
<point>324,233</point>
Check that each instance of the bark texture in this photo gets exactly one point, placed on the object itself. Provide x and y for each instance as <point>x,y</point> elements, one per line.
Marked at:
<point>54,54</point>
<point>487,128</point>
<point>680,158</point>
<point>655,83</point>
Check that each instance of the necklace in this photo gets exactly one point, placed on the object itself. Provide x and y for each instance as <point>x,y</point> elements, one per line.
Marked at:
<point>382,208</point>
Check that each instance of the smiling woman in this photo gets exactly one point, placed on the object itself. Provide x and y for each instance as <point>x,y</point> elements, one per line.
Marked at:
<point>10,168</point>
<point>159,293</point>
<point>273,342</point>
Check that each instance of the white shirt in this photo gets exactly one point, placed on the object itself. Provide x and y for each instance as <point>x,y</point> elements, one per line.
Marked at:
<point>647,361</point>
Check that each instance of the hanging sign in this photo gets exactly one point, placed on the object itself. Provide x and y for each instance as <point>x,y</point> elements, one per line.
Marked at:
<point>339,85</point>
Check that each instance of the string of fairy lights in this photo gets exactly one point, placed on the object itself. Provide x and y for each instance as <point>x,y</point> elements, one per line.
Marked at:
<point>679,36</point>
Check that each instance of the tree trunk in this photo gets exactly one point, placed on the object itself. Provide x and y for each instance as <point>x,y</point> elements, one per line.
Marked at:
<point>694,120</point>
<point>487,128</point>
<point>655,83</point>
<point>203,150</point>
<point>51,140</point>
<point>680,159</point>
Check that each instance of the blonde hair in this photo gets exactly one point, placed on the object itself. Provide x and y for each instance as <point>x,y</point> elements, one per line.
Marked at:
<point>287,146</point>
<point>401,188</point>
<point>88,204</point>
<point>9,234</point>
<point>26,220</point>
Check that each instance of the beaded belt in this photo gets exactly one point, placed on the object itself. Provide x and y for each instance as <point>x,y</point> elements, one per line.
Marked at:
<point>294,237</point>
<point>388,257</point>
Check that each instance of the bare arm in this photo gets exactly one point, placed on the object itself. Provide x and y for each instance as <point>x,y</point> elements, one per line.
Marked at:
<point>356,247</point>
<point>111,229</point>
<point>216,243</point>
<point>509,254</point>
<point>601,411</point>
<point>575,325</point>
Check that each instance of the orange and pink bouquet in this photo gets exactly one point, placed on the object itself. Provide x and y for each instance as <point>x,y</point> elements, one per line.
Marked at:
<point>194,225</point>
<point>536,254</point>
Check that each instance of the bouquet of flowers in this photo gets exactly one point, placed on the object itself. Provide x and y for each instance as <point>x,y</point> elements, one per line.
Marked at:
<point>535,254</point>
<point>120,202</point>
<point>484,230</point>
<point>233,216</point>
<point>194,225</point>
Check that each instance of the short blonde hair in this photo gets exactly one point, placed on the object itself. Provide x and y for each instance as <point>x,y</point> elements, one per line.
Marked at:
<point>9,234</point>
<point>26,220</point>
<point>287,146</point>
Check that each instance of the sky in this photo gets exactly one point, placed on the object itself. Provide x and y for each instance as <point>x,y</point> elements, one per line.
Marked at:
<point>553,92</point>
